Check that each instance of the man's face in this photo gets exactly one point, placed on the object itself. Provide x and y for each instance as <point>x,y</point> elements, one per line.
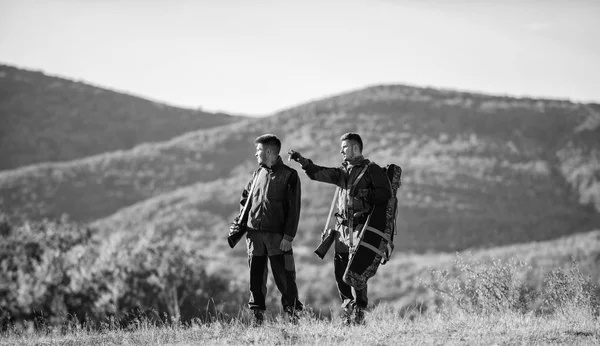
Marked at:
<point>261,154</point>
<point>347,150</point>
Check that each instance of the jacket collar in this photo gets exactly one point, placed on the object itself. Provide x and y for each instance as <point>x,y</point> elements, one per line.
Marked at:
<point>277,163</point>
<point>357,161</point>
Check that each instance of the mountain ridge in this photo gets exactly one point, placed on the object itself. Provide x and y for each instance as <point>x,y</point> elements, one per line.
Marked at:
<point>47,118</point>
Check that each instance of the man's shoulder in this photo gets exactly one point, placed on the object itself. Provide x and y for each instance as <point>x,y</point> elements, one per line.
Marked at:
<point>368,163</point>
<point>288,169</point>
<point>374,166</point>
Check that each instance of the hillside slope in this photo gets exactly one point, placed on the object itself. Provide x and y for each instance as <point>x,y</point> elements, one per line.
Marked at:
<point>46,118</point>
<point>479,170</point>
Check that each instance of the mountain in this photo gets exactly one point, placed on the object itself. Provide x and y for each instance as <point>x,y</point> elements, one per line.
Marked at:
<point>479,170</point>
<point>46,118</point>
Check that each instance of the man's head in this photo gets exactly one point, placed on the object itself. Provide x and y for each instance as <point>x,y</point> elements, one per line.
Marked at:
<point>352,146</point>
<point>267,149</point>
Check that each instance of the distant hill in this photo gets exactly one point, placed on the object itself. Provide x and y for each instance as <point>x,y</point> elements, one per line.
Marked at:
<point>46,118</point>
<point>479,170</point>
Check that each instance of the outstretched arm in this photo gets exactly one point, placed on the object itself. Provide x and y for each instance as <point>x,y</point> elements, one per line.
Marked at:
<point>328,175</point>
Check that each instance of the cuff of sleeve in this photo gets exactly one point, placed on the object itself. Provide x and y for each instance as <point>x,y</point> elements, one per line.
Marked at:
<point>288,238</point>
<point>305,163</point>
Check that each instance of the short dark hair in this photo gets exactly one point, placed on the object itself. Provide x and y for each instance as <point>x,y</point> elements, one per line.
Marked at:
<point>351,136</point>
<point>270,140</point>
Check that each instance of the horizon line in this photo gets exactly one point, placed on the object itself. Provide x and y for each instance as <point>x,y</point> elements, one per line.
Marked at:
<point>300,103</point>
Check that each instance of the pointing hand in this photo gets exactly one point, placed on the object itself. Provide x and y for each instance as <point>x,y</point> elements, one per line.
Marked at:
<point>294,155</point>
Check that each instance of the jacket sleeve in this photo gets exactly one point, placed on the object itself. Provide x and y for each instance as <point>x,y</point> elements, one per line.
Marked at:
<point>328,175</point>
<point>380,191</point>
<point>292,206</point>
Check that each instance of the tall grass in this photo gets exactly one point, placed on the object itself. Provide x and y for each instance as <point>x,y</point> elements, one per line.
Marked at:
<point>384,326</point>
<point>481,303</point>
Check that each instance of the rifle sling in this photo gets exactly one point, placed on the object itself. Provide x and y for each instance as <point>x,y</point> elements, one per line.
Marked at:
<point>245,210</point>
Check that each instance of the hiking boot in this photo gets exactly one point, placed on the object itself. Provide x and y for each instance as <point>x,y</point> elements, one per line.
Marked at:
<point>347,316</point>
<point>358,316</point>
<point>290,311</point>
<point>258,317</point>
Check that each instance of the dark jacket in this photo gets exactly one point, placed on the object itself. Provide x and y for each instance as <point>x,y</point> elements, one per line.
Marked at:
<point>372,189</point>
<point>275,202</point>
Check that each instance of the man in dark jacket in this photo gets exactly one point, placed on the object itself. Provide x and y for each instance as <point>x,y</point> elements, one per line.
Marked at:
<point>272,225</point>
<point>362,185</point>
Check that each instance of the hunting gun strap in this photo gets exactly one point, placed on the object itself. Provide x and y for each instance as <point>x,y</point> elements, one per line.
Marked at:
<point>245,211</point>
<point>335,197</point>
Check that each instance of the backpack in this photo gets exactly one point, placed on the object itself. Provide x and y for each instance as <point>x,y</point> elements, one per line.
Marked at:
<point>394,175</point>
<point>376,240</point>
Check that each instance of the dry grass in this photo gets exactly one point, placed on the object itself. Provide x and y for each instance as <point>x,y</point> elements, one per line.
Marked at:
<point>384,326</point>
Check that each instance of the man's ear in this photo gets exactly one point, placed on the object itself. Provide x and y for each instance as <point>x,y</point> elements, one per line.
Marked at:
<point>356,148</point>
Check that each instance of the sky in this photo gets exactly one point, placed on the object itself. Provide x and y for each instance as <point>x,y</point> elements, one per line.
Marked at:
<point>256,57</point>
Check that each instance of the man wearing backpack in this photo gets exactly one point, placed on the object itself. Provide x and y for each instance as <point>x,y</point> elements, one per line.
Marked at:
<point>362,185</point>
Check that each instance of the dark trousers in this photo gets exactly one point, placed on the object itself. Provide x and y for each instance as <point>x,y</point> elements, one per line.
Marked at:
<point>285,280</point>
<point>349,295</point>
<point>263,247</point>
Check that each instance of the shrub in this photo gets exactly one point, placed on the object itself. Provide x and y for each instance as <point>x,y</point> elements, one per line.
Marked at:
<point>43,271</point>
<point>166,276</point>
<point>568,288</point>
<point>53,273</point>
<point>502,286</point>
<point>483,287</point>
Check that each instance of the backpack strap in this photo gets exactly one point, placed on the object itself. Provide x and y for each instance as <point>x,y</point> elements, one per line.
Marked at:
<point>350,211</point>
<point>362,173</point>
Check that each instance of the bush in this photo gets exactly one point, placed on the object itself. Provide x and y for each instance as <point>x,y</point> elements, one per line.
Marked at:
<point>166,276</point>
<point>483,287</point>
<point>565,289</point>
<point>43,272</point>
<point>54,273</point>
<point>507,286</point>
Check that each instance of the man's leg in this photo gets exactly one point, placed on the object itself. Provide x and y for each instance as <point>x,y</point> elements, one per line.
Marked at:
<point>257,262</point>
<point>360,297</point>
<point>258,282</point>
<point>361,302</point>
<point>284,275</point>
<point>340,262</point>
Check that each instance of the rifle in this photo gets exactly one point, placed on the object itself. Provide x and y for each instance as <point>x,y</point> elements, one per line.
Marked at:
<point>328,235</point>
<point>238,227</point>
